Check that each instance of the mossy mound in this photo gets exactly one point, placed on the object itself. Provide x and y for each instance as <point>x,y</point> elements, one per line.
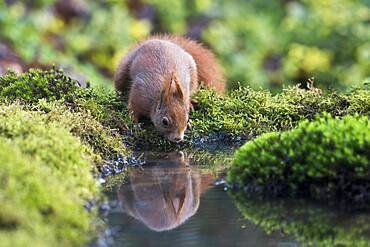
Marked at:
<point>36,84</point>
<point>46,180</point>
<point>308,222</point>
<point>325,158</point>
<point>49,139</point>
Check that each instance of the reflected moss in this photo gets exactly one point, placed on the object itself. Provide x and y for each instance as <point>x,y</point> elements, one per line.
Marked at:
<point>308,222</point>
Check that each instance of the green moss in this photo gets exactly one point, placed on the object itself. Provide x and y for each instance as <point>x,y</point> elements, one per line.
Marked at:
<point>45,181</point>
<point>94,115</point>
<point>34,85</point>
<point>248,112</point>
<point>326,157</point>
<point>307,222</point>
<point>48,137</point>
<point>106,107</point>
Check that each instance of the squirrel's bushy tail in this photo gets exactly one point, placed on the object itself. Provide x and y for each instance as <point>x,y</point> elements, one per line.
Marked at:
<point>209,70</point>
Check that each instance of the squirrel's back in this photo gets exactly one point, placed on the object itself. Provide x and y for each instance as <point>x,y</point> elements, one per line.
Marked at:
<point>156,59</point>
<point>207,68</point>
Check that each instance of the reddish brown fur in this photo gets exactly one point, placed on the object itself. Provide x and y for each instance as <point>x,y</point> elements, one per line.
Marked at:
<point>158,77</point>
<point>209,70</point>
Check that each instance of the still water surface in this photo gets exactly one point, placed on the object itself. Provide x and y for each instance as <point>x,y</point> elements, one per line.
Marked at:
<point>171,201</point>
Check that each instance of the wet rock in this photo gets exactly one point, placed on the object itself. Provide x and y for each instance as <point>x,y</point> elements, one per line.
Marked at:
<point>118,164</point>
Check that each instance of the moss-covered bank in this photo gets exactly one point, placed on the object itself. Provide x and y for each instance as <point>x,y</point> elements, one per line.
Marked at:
<point>46,180</point>
<point>325,158</point>
<point>244,114</point>
<point>227,119</point>
<point>310,223</point>
<point>248,113</point>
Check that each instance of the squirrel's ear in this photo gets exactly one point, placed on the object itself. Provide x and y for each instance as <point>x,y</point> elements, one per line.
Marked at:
<point>161,98</point>
<point>166,90</point>
<point>180,91</point>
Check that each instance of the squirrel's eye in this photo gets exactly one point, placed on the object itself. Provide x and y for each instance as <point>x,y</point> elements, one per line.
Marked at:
<point>165,121</point>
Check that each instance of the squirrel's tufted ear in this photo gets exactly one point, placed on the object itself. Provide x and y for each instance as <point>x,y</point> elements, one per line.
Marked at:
<point>179,89</point>
<point>166,90</point>
<point>167,94</point>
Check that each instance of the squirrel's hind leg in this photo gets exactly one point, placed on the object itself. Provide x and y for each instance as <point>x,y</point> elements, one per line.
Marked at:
<point>135,117</point>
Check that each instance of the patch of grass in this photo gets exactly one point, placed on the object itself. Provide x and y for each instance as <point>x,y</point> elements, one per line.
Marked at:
<point>307,222</point>
<point>328,157</point>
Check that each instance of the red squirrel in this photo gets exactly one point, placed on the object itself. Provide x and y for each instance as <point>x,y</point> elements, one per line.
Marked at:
<point>159,75</point>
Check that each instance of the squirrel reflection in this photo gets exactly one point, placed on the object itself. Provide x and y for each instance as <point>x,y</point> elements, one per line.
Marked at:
<point>165,193</point>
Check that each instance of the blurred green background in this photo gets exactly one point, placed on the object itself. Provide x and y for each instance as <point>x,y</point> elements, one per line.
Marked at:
<point>261,43</point>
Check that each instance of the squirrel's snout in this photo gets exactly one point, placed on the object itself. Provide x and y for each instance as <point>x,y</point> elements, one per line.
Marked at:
<point>178,139</point>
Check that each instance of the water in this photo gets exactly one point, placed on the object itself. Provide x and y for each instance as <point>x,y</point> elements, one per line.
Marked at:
<point>172,201</point>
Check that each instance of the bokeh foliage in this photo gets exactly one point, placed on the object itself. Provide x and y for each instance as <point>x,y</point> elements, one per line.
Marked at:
<point>268,43</point>
<point>260,43</point>
<point>89,46</point>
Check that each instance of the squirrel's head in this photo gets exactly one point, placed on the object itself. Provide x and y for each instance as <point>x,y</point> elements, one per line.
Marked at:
<point>171,114</point>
